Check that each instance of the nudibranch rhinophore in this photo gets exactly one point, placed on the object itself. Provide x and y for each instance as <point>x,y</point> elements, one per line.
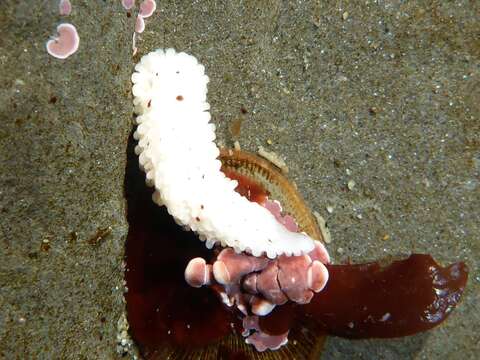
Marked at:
<point>174,128</point>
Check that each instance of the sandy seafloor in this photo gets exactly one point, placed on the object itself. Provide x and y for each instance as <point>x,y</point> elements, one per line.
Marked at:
<point>384,93</point>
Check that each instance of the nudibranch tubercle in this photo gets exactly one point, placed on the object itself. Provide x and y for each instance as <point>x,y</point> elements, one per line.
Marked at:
<point>170,98</point>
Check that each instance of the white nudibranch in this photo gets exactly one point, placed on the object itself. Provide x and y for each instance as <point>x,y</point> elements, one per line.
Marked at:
<point>177,151</point>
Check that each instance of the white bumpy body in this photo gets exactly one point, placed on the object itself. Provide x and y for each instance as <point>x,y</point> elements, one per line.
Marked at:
<point>177,151</point>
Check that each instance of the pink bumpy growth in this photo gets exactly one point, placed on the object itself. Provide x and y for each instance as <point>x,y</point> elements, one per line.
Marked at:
<point>256,285</point>
<point>259,339</point>
<point>128,4</point>
<point>231,267</point>
<point>139,24</point>
<point>276,209</point>
<point>147,8</point>
<point>65,44</point>
<point>198,273</point>
<point>64,7</point>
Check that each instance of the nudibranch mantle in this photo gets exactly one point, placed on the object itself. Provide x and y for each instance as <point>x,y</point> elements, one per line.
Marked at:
<point>170,98</point>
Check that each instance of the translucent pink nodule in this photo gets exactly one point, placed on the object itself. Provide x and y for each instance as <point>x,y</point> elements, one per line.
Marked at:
<point>147,8</point>
<point>65,7</point>
<point>128,4</point>
<point>139,25</point>
<point>65,44</point>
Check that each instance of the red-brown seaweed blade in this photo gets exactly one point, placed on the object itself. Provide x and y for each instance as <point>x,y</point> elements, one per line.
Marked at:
<point>168,318</point>
<point>370,301</point>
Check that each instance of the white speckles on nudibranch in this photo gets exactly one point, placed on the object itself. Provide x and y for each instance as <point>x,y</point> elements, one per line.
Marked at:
<point>65,44</point>
<point>176,149</point>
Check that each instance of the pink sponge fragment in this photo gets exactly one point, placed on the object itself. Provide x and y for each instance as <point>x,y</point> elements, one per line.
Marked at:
<point>262,341</point>
<point>317,276</point>
<point>198,273</point>
<point>147,8</point>
<point>319,253</point>
<point>65,44</point>
<point>267,284</point>
<point>293,278</point>
<point>260,306</point>
<point>65,7</point>
<point>276,281</point>
<point>276,209</point>
<point>139,24</point>
<point>230,267</point>
<point>128,4</point>
<point>256,285</point>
